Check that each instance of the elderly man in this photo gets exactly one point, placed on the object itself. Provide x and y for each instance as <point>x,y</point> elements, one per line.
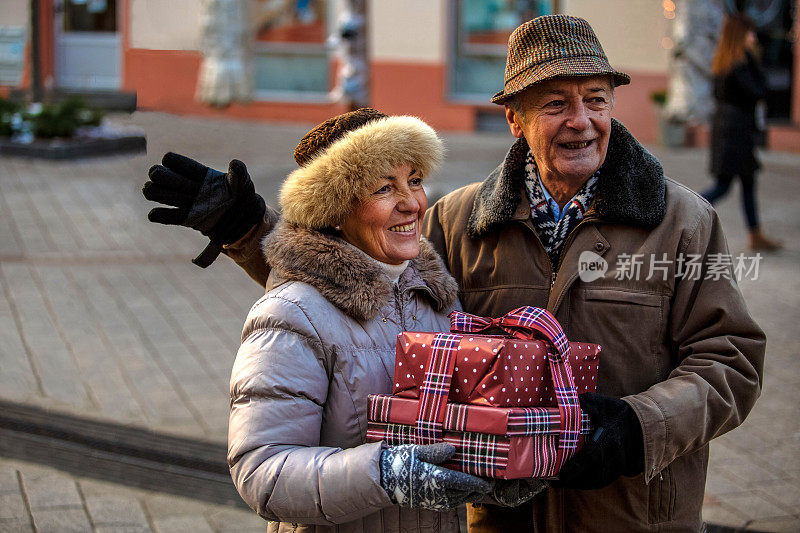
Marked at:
<point>682,359</point>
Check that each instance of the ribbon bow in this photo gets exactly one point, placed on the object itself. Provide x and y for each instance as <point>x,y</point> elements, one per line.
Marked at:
<point>523,323</point>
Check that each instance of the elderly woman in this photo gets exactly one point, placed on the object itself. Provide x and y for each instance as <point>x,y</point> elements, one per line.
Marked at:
<point>349,272</point>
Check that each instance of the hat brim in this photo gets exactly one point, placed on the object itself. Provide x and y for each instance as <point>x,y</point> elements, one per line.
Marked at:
<point>562,67</point>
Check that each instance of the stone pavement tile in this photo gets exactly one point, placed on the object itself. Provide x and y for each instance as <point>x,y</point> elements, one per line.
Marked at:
<point>122,529</point>
<point>12,508</point>
<point>102,375</point>
<point>775,525</point>
<point>751,436</point>
<point>113,508</point>
<point>9,479</point>
<point>49,488</point>
<point>55,366</point>
<point>785,493</point>
<point>34,236</point>
<point>187,523</point>
<point>52,215</point>
<point>755,506</point>
<point>9,240</point>
<point>750,470</point>
<point>719,482</point>
<point>785,456</point>
<point>236,521</point>
<point>13,526</point>
<point>721,449</point>
<point>116,511</point>
<point>63,520</point>
<point>720,513</point>
<point>167,505</point>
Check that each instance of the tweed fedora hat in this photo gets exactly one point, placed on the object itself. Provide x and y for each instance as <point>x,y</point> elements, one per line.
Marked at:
<point>551,46</point>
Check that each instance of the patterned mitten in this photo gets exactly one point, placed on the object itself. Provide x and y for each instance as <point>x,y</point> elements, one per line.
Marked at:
<point>410,477</point>
<point>515,492</point>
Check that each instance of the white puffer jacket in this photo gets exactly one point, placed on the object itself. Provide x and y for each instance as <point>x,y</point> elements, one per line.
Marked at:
<point>313,348</point>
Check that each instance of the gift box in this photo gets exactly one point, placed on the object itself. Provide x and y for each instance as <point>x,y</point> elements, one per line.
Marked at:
<point>490,442</point>
<point>493,370</point>
<point>499,427</point>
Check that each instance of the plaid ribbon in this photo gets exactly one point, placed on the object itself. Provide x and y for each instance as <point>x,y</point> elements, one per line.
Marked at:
<point>480,454</point>
<point>522,323</point>
<point>435,388</point>
<point>528,320</point>
<point>521,421</point>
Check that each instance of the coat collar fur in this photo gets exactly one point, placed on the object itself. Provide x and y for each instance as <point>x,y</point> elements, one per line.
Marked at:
<point>346,276</point>
<point>631,189</point>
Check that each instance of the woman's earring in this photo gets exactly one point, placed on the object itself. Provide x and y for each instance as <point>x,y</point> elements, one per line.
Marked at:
<point>337,227</point>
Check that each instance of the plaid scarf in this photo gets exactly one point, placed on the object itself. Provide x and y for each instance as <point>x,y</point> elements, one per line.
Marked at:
<point>553,233</point>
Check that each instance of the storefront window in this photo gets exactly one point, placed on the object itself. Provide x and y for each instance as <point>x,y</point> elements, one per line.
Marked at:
<point>774,20</point>
<point>291,56</point>
<point>90,16</point>
<point>481,39</point>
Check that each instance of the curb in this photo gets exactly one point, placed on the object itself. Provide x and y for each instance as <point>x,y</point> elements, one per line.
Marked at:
<point>72,148</point>
<point>130,455</point>
<point>121,454</point>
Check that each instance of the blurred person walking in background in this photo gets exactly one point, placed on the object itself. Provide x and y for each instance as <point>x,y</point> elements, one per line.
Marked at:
<point>739,84</point>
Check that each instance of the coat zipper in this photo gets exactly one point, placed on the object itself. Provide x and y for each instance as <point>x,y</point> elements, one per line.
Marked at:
<point>570,238</point>
<point>554,269</point>
<point>398,303</point>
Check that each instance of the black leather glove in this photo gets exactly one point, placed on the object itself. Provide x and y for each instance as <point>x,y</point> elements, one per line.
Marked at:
<point>410,477</point>
<point>223,207</point>
<point>515,492</point>
<point>614,449</point>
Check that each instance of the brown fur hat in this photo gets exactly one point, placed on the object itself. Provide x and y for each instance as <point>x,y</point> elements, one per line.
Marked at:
<point>344,157</point>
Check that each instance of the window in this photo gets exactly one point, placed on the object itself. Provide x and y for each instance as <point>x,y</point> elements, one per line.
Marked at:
<point>291,56</point>
<point>774,20</point>
<point>481,40</point>
<point>90,16</point>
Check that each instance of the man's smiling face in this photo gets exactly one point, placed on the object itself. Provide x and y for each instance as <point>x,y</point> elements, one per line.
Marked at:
<point>567,123</point>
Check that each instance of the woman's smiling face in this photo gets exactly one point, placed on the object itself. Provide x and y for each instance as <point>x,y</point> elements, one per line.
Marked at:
<point>386,225</point>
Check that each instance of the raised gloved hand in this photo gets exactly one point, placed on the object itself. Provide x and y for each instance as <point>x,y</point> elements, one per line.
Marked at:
<point>614,449</point>
<point>410,477</point>
<point>223,207</point>
<point>515,492</point>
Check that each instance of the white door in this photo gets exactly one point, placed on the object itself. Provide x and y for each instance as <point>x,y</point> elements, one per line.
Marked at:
<point>87,43</point>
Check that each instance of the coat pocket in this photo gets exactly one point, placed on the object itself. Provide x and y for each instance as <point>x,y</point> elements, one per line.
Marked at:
<point>629,325</point>
<point>661,497</point>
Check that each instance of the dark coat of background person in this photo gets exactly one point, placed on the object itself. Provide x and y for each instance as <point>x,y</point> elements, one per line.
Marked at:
<point>734,134</point>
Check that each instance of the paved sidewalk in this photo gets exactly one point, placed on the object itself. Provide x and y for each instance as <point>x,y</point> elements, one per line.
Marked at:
<point>44,500</point>
<point>102,314</point>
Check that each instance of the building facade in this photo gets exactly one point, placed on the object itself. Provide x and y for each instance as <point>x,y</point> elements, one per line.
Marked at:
<point>438,59</point>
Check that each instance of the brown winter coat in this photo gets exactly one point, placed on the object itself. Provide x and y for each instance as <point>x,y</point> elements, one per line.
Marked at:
<point>313,348</point>
<point>683,352</point>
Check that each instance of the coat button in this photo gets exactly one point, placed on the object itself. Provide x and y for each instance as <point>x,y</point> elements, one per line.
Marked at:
<point>384,320</point>
<point>414,318</point>
<point>599,246</point>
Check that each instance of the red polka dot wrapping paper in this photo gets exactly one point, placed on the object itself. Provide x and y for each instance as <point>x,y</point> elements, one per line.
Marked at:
<point>493,370</point>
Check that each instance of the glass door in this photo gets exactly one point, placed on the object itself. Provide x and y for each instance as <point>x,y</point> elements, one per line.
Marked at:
<point>87,44</point>
<point>480,42</point>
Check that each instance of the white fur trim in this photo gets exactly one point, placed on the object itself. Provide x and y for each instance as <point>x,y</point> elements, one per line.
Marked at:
<point>321,193</point>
